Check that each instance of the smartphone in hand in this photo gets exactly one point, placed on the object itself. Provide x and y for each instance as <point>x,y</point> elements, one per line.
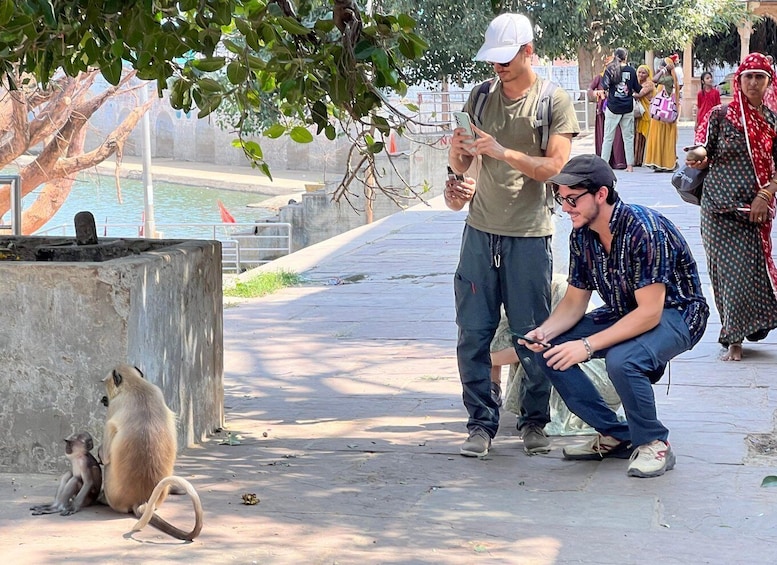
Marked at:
<point>533,341</point>
<point>461,120</point>
<point>454,176</point>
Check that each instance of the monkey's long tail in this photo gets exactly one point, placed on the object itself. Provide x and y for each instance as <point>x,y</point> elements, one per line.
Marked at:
<point>146,511</point>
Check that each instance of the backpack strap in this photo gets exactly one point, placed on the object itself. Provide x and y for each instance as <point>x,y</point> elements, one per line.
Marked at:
<point>544,113</point>
<point>484,89</point>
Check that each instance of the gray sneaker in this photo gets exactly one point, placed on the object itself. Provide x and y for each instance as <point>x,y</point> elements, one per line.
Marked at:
<point>496,393</point>
<point>535,440</point>
<point>599,447</point>
<point>477,444</point>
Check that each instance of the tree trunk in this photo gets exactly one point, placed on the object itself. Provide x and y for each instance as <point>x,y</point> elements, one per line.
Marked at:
<point>59,118</point>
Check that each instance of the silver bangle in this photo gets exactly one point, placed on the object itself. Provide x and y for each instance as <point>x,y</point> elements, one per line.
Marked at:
<point>588,348</point>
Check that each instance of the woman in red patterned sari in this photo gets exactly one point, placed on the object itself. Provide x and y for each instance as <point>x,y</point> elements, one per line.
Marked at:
<point>737,206</point>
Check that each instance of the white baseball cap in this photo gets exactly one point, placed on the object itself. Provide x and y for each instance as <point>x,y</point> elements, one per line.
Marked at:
<point>505,36</point>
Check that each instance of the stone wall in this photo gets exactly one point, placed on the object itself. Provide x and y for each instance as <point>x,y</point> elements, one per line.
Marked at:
<point>317,217</point>
<point>67,324</point>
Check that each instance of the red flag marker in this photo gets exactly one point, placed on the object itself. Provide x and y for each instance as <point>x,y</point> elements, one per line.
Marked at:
<point>226,217</point>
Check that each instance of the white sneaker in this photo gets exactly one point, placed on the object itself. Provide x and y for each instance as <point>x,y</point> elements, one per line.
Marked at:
<point>651,460</point>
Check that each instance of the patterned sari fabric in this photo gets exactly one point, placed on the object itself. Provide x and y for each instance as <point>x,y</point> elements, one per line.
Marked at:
<point>661,153</point>
<point>642,125</point>
<point>740,146</point>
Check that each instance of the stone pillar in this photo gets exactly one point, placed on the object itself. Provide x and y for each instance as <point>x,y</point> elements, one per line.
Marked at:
<point>745,30</point>
<point>688,92</point>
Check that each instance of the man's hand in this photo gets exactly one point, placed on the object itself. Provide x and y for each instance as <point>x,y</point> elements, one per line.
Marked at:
<point>461,143</point>
<point>537,335</point>
<point>458,192</point>
<point>486,144</point>
<point>563,356</point>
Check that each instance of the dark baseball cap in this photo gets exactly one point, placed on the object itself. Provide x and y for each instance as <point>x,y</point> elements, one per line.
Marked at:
<point>589,170</point>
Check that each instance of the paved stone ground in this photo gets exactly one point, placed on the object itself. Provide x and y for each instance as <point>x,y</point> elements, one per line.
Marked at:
<point>345,397</point>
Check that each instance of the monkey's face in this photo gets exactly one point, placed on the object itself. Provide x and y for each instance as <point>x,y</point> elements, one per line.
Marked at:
<point>79,443</point>
<point>113,382</point>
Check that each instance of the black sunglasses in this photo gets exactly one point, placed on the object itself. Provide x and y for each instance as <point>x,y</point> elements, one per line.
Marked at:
<point>503,65</point>
<point>572,200</point>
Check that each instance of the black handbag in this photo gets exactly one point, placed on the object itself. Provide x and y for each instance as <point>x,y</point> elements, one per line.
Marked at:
<point>689,183</point>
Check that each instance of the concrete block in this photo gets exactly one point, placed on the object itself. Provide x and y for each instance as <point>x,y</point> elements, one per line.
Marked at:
<point>65,325</point>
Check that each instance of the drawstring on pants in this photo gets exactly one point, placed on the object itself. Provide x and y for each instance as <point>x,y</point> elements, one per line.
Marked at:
<point>495,248</point>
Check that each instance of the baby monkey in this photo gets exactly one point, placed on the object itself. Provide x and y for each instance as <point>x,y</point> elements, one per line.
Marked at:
<point>80,486</point>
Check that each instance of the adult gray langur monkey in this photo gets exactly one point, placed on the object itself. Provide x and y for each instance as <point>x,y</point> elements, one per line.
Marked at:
<point>80,486</point>
<point>139,450</point>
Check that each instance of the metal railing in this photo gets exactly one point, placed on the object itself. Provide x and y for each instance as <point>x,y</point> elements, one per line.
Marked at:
<point>243,245</point>
<point>436,107</point>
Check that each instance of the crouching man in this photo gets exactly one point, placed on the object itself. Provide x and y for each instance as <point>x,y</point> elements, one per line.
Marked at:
<point>642,268</point>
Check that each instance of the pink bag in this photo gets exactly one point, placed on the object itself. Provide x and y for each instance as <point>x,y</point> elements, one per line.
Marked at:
<point>663,108</point>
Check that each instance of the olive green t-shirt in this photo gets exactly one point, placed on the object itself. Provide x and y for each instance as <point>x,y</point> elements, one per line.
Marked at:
<point>506,201</point>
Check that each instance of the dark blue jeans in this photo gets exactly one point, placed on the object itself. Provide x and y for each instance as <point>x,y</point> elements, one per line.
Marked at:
<point>633,366</point>
<point>519,279</point>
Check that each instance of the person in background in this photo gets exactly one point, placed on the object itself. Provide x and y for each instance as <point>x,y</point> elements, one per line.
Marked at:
<point>678,71</point>
<point>505,254</point>
<point>642,125</point>
<point>645,274</point>
<point>596,94</point>
<point>707,98</point>
<point>661,154</point>
<point>737,206</point>
<point>619,83</point>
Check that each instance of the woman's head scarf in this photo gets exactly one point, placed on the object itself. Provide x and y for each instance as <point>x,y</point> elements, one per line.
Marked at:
<point>649,72</point>
<point>759,135</point>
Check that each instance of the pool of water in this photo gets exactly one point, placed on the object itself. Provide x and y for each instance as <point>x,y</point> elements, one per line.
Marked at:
<point>173,204</point>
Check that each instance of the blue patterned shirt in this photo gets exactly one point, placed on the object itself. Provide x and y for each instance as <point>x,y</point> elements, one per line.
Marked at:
<point>646,249</point>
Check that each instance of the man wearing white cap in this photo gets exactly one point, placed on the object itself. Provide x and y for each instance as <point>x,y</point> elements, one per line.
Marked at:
<point>506,249</point>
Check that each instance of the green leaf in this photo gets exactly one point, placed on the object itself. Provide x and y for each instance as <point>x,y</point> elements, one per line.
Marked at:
<point>6,11</point>
<point>769,481</point>
<point>209,85</point>
<point>301,134</point>
<point>319,115</point>
<point>254,150</point>
<point>111,70</point>
<point>209,64</point>
<point>293,26</point>
<point>324,25</point>
<point>236,73</point>
<point>232,47</point>
<point>265,168</point>
<point>405,22</point>
<point>274,131</point>
<point>381,124</point>
<point>380,58</point>
<point>48,13</point>
<point>364,50</point>
<point>211,103</point>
